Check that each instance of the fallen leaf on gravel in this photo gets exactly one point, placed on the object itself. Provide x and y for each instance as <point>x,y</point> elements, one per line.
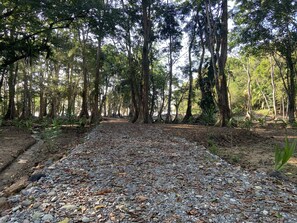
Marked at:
<point>82,209</point>
<point>141,198</point>
<point>99,206</point>
<point>104,191</point>
<point>112,217</point>
<point>66,220</point>
<point>192,212</point>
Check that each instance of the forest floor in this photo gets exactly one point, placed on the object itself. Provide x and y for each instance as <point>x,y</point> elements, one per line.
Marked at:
<point>250,149</point>
<point>125,172</point>
<point>22,152</point>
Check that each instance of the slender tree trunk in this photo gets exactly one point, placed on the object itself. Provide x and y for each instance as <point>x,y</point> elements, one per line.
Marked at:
<point>11,112</point>
<point>145,59</point>
<point>55,94</point>
<point>95,111</point>
<point>273,88</point>
<point>154,96</point>
<point>292,87</point>
<point>70,89</point>
<point>190,94</point>
<point>84,107</point>
<point>41,95</point>
<point>218,49</point>
<point>159,118</point>
<point>249,92</point>
<point>223,103</point>
<point>26,111</point>
<point>168,116</point>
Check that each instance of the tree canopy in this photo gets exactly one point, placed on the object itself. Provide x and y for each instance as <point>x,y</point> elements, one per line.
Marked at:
<point>147,59</point>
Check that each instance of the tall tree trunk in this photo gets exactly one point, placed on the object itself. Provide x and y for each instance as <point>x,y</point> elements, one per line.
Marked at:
<point>159,118</point>
<point>95,117</point>
<point>26,111</point>
<point>41,95</point>
<point>273,88</point>
<point>54,96</point>
<point>84,113</point>
<point>218,49</point>
<point>249,92</point>
<point>168,116</point>
<point>11,111</point>
<point>154,96</point>
<point>292,88</point>
<point>223,103</point>
<point>190,93</point>
<point>70,89</point>
<point>145,59</point>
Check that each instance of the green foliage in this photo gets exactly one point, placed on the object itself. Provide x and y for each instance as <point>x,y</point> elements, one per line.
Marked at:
<point>246,124</point>
<point>212,147</point>
<point>207,117</point>
<point>232,122</point>
<point>235,159</point>
<point>26,123</point>
<point>262,121</point>
<point>51,133</point>
<point>283,154</point>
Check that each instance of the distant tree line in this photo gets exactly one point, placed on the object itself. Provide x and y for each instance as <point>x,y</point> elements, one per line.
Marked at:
<point>95,58</point>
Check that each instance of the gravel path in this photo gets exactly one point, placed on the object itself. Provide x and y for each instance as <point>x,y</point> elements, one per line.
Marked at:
<point>136,173</point>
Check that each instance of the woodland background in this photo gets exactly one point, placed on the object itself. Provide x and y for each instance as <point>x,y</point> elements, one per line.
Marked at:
<point>189,61</point>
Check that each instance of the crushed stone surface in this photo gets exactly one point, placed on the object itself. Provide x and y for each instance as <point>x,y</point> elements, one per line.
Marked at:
<point>136,173</point>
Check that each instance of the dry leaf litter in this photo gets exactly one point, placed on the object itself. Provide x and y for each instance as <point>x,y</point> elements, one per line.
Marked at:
<point>136,173</point>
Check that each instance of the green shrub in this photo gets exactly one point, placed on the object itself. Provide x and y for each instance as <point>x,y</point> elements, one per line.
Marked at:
<point>283,154</point>
<point>262,121</point>
<point>212,147</point>
<point>246,124</point>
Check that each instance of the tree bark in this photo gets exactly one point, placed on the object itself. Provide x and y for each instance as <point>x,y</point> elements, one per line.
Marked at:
<point>249,92</point>
<point>273,88</point>
<point>145,59</point>
<point>218,46</point>
<point>95,117</point>
<point>11,111</point>
<point>84,113</point>
<point>190,93</point>
<point>292,91</point>
<point>168,116</point>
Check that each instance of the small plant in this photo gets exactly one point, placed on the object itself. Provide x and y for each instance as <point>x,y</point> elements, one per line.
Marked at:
<point>262,121</point>
<point>232,123</point>
<point>283,154</point>
<point>212,147</point>
<point>235,159</point>
<point>246,124</point>
<point>50,133</point>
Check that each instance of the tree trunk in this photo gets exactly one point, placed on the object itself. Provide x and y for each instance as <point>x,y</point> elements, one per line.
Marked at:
<point>292,90</point>
<point>190,94</point>
<point>168,116</point>
<point>11,111</point>
<point>84,113</point>
<point>249,92</point>
<point>159,118</point>
<point>41,95</point>
<point>145,61</point>
<point>26,111</point>
<point>273,88</point>
<point>54,96</point>
<point>222,91</point>
<point>95,117</point>
<point>154,96</point>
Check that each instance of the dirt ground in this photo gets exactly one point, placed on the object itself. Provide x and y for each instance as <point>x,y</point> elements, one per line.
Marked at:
<point>18,158</point>
<point>251,149</point>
